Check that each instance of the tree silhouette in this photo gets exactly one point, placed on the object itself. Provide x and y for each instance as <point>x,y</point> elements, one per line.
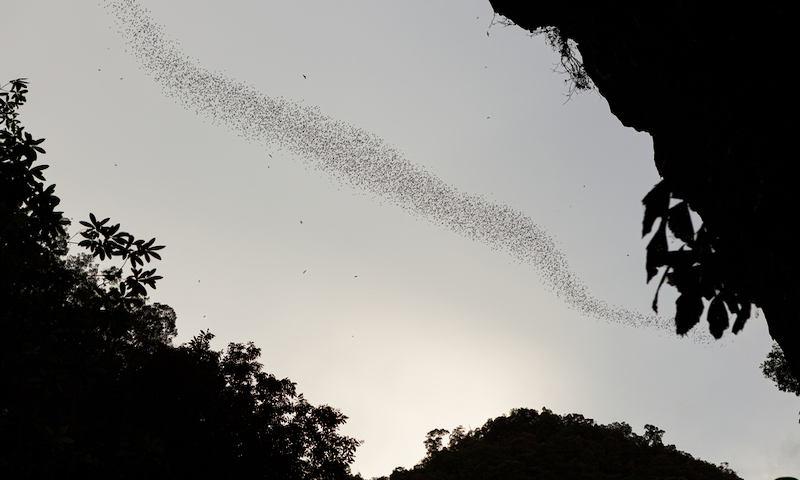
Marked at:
<point>776,368</point>
<point>690,74</point>
<point>92,386</point>
<point>433,441</point>
<point>528,444</point>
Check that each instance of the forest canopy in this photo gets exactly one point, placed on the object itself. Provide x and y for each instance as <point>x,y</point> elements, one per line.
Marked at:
<point>92,385</point>
<point>527,444</point>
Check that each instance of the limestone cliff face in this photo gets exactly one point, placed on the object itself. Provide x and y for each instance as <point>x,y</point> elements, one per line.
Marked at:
<point>712,84</point>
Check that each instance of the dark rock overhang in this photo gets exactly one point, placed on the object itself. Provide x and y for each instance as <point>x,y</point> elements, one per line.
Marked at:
<point>712,84</point>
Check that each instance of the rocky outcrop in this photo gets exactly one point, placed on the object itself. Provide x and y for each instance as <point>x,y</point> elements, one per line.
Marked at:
<point>712,84</point>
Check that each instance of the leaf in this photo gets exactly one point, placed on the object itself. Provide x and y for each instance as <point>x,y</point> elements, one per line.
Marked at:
<point>656,204</point>
<point>680,223</point>
<point>732,302</point>
<point>685,278</point>
<point>742,317</point>
<point>717,317</point>
<point>123,238</point>
<point>37,171</point>
<point>656,252</point>
<point>682,259</point>
<point>677,262</point>
<point>689,307</point>
<point>138,289</point>
<point>655,299</point>
<point>702,242</point>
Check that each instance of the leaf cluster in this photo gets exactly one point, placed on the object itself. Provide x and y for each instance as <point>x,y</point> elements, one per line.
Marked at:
<point>693,269</point>
<point>777,369</point>
<point>27,207</point>
<point>108,241</point>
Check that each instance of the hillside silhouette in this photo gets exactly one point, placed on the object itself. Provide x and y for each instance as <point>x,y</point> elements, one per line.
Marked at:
<point>528,445</point>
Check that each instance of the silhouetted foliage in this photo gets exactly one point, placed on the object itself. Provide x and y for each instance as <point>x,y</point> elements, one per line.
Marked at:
<point>92,386</point>
<point>528,444</point>
<point>692,269</point>
<point>777,369</point>
<point>433,441</point>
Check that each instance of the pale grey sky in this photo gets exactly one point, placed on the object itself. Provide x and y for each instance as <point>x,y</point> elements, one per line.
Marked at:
<point>398,321</point>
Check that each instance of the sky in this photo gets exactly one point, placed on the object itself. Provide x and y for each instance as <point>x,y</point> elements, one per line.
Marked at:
<point>399,204</point>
